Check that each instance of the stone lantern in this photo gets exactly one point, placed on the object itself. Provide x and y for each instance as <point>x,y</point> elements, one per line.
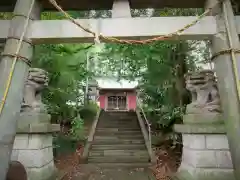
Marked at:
<point>93,90</point>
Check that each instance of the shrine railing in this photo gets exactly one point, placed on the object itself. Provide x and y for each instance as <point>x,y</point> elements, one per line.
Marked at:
<point>141,114</point>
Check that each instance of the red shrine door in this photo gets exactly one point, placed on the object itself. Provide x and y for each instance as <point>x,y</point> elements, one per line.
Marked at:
<point>117,103</point>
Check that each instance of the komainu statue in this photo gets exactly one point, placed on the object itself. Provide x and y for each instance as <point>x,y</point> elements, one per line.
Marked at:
<point>32,101</point>
<point>204,92</point>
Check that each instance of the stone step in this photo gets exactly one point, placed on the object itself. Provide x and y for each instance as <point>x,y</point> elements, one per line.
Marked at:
<point>119,146</point>
<point>118,123</point>
<point>106,153</point>
<point>117,113</point>
<point>118,126</point>
<point>122,141</point>
<point>117,159</point>
<point>118,133</point>
<point>122,165</point>
<point>119,118</point>
<point>116,129</point>
<point>122,119</point>
<point>118,137</point>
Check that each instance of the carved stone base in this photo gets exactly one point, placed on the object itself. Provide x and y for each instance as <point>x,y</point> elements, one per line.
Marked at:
<point>33,147</point>
<point>203,118</point>
<point>205,156</point>
<point>35,152</point>
<point>187,172</point>
<point>47,172</point>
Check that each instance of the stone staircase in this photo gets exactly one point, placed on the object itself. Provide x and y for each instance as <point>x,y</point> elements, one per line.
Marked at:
<point>118,139</point>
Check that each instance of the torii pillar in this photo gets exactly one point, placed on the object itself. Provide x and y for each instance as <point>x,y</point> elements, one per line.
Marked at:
<point>9,115</point>
<point>226,80</point>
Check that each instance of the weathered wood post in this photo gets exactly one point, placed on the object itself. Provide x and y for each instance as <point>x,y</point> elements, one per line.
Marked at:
<point>13,102</point>
<point>226,79</point>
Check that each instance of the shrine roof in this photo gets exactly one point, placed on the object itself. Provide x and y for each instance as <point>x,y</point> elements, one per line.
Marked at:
<point>8,5</point>
<point>108,84</point>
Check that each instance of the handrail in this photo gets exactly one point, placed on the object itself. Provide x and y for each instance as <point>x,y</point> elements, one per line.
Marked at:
<point>90,138</point>
<point>148,124</point>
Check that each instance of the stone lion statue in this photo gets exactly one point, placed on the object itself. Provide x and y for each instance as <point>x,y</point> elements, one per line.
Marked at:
<point>204,92</point>
<point>37,80</point>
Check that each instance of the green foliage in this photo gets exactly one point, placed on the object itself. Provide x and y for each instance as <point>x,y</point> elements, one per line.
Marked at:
<point>63,145</point>
<point>6,15</point>
<point>77,129</point>
<point>58,15</point>
<point>163,119</point>
<point>66,67</point>
<point>159,68</point>
<point>89,111</point>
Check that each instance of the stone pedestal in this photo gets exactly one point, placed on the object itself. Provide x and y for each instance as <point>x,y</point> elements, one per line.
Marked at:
<point>206,153</point>
<point>33,145</point>
<point>203,118</point>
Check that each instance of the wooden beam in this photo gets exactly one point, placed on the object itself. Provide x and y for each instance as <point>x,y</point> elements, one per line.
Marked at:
<point>63,31</point>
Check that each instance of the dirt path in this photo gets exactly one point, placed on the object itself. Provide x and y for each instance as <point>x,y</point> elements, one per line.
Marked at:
<point>168,161</point>
<point>114,173</point>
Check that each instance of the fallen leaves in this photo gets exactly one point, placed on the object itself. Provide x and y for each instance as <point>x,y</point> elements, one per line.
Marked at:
<point>168,161</point>
<point>69,163</point>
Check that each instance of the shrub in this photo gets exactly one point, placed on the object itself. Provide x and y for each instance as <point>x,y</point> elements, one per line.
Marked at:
<point>89,111</point>
<point>77,129</point>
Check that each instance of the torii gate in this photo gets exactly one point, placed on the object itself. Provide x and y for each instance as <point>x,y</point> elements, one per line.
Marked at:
<point>222,28</point>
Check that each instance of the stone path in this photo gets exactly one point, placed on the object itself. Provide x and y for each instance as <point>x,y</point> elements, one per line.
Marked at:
<point>97,173</point>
